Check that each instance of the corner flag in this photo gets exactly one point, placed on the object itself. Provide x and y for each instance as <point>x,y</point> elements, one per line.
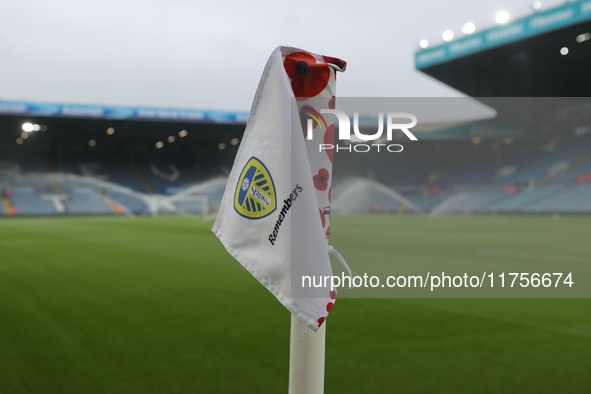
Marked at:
<point>274,216</point>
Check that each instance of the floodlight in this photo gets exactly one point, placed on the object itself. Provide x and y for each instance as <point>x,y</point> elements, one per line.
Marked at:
<point>469,28</point>
<point>502,17</point>
<point>448,35</point>
<point>583,37</point>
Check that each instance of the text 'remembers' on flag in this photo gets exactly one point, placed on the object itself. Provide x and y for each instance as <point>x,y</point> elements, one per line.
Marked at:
<point>274,216</point>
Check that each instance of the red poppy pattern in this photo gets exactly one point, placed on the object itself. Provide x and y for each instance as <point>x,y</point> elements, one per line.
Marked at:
<point>321,320</point>
<point>308,77</point>
<point>321,179</point>
<point>312,78</point>
<point>333,294</point>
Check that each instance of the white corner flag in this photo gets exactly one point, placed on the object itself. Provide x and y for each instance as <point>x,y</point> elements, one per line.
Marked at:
<point>274,216</point>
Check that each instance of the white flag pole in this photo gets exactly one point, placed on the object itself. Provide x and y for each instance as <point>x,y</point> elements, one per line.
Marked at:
<point>306,358</point>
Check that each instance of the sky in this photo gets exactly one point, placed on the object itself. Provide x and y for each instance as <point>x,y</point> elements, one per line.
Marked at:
<point>210,54</point>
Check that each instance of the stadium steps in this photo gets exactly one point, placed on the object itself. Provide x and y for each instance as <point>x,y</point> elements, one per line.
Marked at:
<point>436,176</point>
<point>50,170</point>
<point>538,169</point>
<point>571,176</point>
<point>573,166</point>
<point>402,205</point>
<point>140,175</point>
<point>214,168</point>
<point>581,160</point>
<point>581,166</point>
<point>7,204</point>
<point>111,204</point>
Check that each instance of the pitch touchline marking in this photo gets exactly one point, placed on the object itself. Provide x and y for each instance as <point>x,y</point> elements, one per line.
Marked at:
<point>532,256</point>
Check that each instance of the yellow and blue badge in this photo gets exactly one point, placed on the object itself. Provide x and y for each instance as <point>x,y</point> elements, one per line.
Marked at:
<point>255,191</point>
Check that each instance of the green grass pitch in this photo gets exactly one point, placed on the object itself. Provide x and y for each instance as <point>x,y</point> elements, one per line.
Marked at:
<point>156,305</point>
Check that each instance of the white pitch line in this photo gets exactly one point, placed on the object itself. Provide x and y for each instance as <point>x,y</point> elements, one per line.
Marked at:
<point>533,256</point>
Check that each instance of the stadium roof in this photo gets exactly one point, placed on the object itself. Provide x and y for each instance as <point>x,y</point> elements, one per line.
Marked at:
<point>77,125</point>
<point>546,54</point>
<point>19,108</point>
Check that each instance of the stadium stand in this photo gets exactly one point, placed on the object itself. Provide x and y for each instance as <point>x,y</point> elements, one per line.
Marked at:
<point>510,67</point>
<point>129,160</point>
<point>103,183</point>
<point>89,165</point>
<point>562,159</point>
